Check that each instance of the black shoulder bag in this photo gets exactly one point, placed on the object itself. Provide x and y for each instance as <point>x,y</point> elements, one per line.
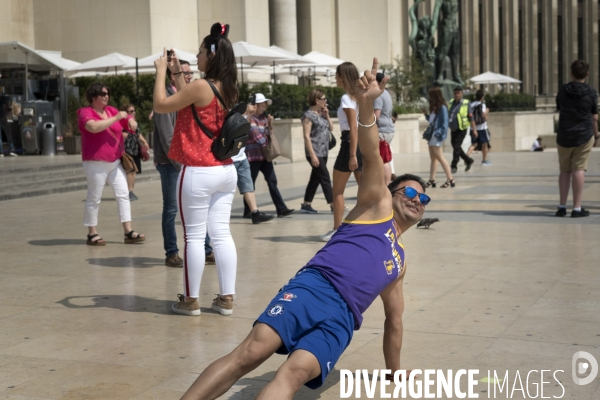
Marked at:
<point>234,133</point>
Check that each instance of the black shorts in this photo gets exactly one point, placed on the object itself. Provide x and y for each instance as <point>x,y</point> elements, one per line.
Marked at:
<point>343,157</point>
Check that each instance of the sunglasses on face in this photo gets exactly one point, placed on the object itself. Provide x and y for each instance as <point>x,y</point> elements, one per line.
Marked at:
<point>411,193</point>
<point>103,94</point>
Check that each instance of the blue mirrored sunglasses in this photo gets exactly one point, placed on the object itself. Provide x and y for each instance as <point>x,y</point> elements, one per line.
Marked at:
<point>411,193</point>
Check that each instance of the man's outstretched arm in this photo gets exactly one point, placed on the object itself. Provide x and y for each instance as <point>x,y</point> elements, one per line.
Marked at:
<point>393,305</point>
<point>372,189</point>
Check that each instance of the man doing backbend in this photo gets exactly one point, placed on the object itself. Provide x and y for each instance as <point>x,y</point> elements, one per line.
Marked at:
<point>314,315</point>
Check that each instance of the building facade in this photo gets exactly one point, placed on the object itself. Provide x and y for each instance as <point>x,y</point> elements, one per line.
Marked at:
<point>534,41</point>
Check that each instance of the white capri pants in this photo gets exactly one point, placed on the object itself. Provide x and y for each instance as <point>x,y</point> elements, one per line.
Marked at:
<point>97,174</point>
<point>205,195</point>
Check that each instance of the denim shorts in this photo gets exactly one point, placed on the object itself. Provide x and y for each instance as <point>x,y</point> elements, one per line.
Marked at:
<point>244,182</point>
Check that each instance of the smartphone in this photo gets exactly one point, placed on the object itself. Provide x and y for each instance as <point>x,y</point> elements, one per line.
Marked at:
<point>169,54</point>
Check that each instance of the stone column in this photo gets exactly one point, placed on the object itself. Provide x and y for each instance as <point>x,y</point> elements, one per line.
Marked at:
<point>570,49</point>
<point>490,37</point>
<point>550,54</point>
<point>405,26</point>
<point>591,40</point>
<point>282,24</point>
<point>530,52</point>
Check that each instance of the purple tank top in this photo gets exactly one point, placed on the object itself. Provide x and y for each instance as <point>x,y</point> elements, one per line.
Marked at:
<point>361,259</point>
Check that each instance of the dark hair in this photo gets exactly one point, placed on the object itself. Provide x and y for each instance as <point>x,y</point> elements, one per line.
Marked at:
<point>349,75</point>
<point>94,90</point>
<point>580,69</point>
<point>395,114</point>
<point>313,96</point>
<point>436,99</point>
<point>406,177</point>
<point>221,62</point>
<point>181,62</point>
<point>479,95</point>
<point>458,89</point>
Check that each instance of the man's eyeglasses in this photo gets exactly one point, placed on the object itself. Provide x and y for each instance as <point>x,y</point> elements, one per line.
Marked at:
<point>411,193</point>
<point>103,94</point>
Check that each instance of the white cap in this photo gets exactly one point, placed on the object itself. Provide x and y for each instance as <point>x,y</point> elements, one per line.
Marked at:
<point>260,98</point>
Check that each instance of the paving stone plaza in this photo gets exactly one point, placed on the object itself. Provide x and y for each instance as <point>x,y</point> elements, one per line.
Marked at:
<point>499,284</point>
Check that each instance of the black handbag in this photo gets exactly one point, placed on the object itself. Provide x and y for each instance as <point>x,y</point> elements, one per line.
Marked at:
<point>332,141</point>
<point>234,133</point>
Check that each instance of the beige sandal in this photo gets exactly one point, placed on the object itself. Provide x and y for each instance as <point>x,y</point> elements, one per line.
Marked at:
<point>130,239</point>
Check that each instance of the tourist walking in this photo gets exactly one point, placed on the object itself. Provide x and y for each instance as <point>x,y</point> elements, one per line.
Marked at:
<point>577,103</point>
<point>438,117</point>
<point>206,185</point>
<point>349,159</point>
<point>102,146</point>
<point>317,127</point>
<point>261,129</point>
<point>459,120</point>
<point>481,134</point>
<point>385,124</point>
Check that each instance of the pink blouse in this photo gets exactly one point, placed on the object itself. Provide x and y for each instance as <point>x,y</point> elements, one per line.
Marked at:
<point>106,145</point>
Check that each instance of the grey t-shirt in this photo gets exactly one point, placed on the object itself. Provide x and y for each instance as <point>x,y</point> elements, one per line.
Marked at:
<point>384,103</point>
<point>319,134</point>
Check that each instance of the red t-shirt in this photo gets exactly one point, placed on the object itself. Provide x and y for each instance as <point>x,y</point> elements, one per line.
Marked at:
<point>190,145</point>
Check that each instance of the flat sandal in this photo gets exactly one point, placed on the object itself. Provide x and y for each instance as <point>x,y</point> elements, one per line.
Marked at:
<point>129,239</point>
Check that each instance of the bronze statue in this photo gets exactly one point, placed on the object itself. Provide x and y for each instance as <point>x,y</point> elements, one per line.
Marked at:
<point>423,31</point>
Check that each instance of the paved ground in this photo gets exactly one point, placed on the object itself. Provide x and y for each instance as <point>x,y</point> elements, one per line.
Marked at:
<point>499,284</point>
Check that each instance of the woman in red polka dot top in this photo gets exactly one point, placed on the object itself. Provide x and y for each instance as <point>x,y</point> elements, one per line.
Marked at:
<point>206,185</point>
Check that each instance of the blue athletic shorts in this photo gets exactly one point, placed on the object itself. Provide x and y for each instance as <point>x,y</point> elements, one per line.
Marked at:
<point>483,136</point>
<point>309,314</point>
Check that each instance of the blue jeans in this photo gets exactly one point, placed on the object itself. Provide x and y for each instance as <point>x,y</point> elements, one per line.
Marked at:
<point>168,181</point>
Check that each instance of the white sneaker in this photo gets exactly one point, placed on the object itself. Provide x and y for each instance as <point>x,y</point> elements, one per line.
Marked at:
<point>326,237</point>
<point>12,154</point>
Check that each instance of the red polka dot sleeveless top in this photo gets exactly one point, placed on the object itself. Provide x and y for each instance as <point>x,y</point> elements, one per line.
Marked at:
<point>190,145</point>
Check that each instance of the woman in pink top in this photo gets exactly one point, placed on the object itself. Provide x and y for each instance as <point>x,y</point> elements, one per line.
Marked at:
<point>206,185</point>
<point>101,128</point>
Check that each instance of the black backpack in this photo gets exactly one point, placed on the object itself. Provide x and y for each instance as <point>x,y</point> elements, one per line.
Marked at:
<point>478,116</point>
<point>234,133</point>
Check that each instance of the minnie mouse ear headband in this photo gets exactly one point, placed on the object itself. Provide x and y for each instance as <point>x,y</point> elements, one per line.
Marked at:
<point>216,31</point>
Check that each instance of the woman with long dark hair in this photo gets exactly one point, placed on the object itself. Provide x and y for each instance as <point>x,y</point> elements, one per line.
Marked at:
<point>438,116</point>
<point>206,185</point>
<point>349,159</point>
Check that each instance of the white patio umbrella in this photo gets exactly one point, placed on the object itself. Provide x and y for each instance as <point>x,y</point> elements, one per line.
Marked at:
<point>492,77</point>
<point>252,54</point>
<point>323,60</point>
<point>105,63</point>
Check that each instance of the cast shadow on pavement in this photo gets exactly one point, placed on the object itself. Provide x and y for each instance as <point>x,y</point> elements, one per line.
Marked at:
<point>127,262</point>
<point>254,385</point>
<point>291,239</point>
<point>125,302</point>
<point>61,242</point>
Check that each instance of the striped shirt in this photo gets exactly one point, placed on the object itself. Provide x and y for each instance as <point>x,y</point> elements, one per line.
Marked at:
<point>257,137</point>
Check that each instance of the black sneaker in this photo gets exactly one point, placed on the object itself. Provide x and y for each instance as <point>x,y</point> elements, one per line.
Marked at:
<point>285,213</point>
<point>307,209</point>
<point>132,196</point>
<point>561,212</point>
<point>259,217</point>
<point>454,170</point>
<point>579,214</point>
<point>248,215</point>
<point>469,163</point>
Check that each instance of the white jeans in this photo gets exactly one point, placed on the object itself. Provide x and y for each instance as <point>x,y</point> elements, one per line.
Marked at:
<point>97,174</point>
<point>205,195</point>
